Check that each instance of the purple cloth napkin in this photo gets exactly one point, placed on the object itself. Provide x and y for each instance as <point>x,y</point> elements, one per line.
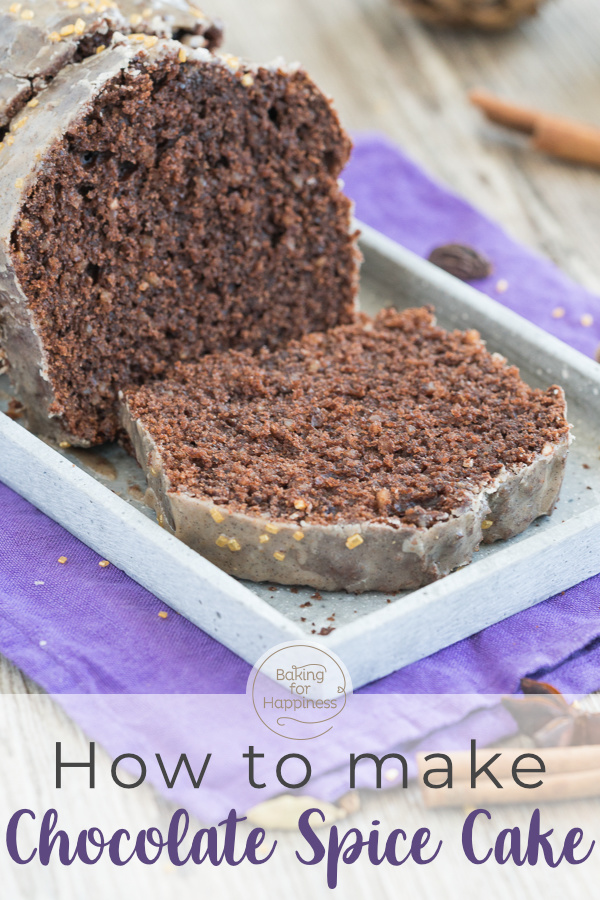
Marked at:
<point>79,628</point>
<point>393,195</point>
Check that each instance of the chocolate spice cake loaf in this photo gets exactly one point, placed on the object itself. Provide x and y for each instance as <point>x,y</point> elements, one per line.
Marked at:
<point>374,456</point>
<point>157,202</point>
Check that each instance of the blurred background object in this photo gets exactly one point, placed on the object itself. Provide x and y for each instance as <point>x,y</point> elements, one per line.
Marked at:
<point>487,14</point>
<point>555,135</point>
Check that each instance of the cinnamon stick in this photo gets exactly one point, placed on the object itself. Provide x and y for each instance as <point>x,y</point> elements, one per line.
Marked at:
<point>556,759</point>
<point>570,786</point>
<point>571,773</point>
<point>560,137</point>
<point>519,118</point>
<point>567,139</point>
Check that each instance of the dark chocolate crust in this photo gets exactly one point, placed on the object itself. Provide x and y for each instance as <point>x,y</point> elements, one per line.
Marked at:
<point>40,37</point>
<point>179,204</point>
<point>375,456</point>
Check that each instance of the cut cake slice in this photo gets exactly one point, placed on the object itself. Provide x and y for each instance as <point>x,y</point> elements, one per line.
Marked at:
<point>374,456</point>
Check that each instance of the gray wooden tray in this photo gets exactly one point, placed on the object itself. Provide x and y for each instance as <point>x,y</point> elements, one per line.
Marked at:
<point>100,500</point>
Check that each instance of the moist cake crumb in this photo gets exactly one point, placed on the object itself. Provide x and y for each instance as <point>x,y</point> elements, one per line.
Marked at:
<point>180,212</point>
<point>391,419</point>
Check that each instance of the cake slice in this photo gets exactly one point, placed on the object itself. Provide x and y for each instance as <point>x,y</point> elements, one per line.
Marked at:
<point>158,202</point>
<point>374,456</point>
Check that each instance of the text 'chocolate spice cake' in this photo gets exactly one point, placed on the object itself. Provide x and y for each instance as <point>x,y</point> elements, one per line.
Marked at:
<point>374,456</point>
<point>158,202</point>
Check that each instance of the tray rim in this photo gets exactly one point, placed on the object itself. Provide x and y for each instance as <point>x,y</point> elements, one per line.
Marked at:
<point>197,589</point>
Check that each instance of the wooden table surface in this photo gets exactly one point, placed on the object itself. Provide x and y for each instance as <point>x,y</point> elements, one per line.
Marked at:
<point>390,74</point>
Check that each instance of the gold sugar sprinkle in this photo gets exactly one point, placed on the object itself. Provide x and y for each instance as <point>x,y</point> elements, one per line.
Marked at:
<point>54,36</point>
<point>234,545</point>
<point>160,519</point>
<point>264,538</point>
<point>62,559</point>
<point>64,445</point>
<point>558,313</point>
<point>162,614</point>
<point>487,523</point>
<point>197,12</point>
<point>33,103</point>
<point>100,48</point>
<point>27,14</point>
<point>19,184</point>
<point>150,40</point>
<point>298,535</point>
<point>232,61</point>
<point>15,7</point>
<point>216,515</point>
<point>354,541</point>
<point>247,80</point>
<point>104,563</point>
<point>135,19</point>
<point>272,529</point>
<point>587,320</point>
<point>222,540</point>
<point>182,56</point>
<point>20,123</point>
<point>9,140</point>
<point>66,30</point>
<point>138,36</point>
<point>79,26</point>
<point>279,556</point>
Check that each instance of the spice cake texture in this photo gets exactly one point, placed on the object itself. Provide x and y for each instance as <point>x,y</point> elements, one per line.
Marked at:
<point>157,202</point>
<point>374,456</point>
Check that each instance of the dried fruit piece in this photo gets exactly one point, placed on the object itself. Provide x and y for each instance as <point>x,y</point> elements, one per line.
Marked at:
<point>462,261</point>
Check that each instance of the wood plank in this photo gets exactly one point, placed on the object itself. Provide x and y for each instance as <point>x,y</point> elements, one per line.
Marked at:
<point>391,74</point>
